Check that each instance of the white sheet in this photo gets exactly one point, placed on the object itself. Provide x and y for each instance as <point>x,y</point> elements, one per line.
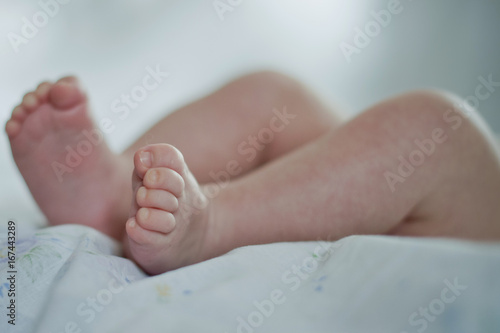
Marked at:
<point>359,284</point>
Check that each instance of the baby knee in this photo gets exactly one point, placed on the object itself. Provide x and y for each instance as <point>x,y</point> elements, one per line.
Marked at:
<point>426,110</point>
<point>269,82</point>
<point>458,114</point>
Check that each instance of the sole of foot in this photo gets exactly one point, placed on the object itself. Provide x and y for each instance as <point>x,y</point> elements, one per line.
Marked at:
<point>62,156</point>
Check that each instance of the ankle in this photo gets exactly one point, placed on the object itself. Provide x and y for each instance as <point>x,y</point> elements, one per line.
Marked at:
<point>216,233</point>
<point>121,180</point>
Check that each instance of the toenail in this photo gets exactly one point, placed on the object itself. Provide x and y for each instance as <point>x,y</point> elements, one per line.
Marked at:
<point>18,112</point>
<point>141,193</point>
<point>42,89</point>
<point>153,176</point>
<point>29,100</point>
<point>131,223</point>
<point>144,213</point>
<point>146,159</point>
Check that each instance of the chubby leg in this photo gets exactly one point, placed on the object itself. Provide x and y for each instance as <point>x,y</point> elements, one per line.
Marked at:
<point>352,181</point>
<point>413,165</point>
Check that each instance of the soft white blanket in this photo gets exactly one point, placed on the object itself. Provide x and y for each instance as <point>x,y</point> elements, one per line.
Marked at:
<point>71,279</point>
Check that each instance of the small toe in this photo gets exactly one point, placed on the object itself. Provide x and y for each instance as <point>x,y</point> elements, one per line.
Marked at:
<point>12,128</point>
<point>156,220</point>
<point>19,114</point>
<point>142,236</point>
<point>42,91</point>
<point>30,102</point>
<point>66,93</point>
<point>159,199</point>
<point>164,179</point>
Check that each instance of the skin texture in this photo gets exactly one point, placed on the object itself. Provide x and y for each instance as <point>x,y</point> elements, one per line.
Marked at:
<point>262,160</point>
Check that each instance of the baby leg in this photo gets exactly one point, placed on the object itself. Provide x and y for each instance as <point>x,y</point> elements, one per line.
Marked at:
<point>413,165</point>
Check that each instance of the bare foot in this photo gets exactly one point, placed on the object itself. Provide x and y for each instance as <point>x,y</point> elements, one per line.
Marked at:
<point>69,169</point>
<point>170,219</point>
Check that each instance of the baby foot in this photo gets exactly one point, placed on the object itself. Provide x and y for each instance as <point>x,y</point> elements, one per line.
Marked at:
<point>70,171</point>
<point>170,217</point>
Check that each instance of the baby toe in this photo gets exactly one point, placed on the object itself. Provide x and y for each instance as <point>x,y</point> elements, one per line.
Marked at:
<point>142,236</point>
<point>42,91</point>
<point>66,93</point>
<point>30,102</point>
<point>12,128</point>
<point>159,155</point>
<point>164,179</point>
<point>156,220</point>
<point>19,114</point>
<point>150,198</point>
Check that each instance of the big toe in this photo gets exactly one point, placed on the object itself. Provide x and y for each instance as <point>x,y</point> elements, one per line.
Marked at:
<point>159,155</point>
<point>66,93</point>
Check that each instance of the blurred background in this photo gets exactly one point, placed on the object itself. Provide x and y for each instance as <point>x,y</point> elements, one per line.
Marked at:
<point>447,44</point>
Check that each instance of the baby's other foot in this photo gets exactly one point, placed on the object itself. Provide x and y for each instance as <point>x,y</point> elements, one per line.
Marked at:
<point>70,171</point>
